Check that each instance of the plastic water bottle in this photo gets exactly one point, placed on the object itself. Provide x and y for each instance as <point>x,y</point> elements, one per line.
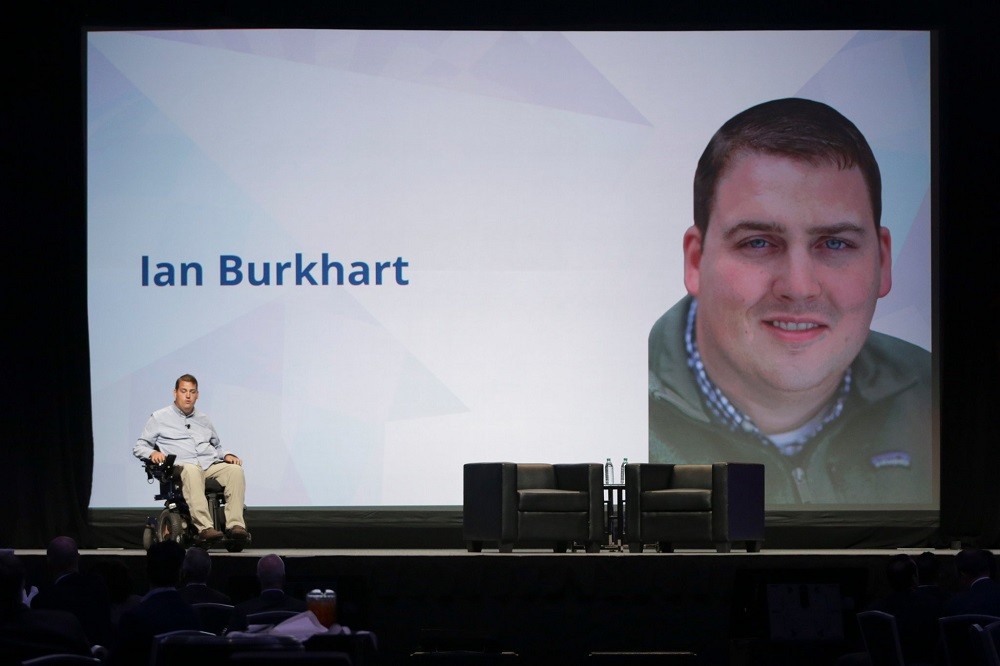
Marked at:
<point>624,463</point>
<point>609,472</point>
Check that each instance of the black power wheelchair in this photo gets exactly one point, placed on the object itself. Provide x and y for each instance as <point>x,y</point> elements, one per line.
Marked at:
<point>174,522</point>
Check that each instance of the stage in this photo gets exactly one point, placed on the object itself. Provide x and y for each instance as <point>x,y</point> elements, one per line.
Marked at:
<point>440,527</point>
<point>779,606</point>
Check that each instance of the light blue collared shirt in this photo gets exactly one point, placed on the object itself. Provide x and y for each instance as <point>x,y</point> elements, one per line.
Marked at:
<point>191,437</point>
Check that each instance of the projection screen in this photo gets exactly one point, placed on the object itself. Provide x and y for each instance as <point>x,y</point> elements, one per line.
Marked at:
<point>384,254</point>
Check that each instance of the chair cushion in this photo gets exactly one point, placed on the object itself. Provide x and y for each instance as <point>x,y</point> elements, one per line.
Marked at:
<point>692,476</point>
<point>680,499</point>
<point>536,475</point>
<point>552,500</point>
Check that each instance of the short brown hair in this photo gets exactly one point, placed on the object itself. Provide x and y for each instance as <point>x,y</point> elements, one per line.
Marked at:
<point>793,127</point>
<point>185,378</point>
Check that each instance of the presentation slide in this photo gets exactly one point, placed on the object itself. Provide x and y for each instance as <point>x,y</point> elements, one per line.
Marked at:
<point>385,254</point>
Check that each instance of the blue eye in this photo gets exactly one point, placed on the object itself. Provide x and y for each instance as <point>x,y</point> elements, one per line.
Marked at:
<point>757,243</point>
<point>835,244</point>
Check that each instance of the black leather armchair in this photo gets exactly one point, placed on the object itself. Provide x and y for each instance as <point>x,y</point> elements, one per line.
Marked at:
<point>510,503</point>
<point>718,503</point>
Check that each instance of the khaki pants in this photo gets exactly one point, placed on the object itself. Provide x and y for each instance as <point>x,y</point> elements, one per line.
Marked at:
<point>193,487</point>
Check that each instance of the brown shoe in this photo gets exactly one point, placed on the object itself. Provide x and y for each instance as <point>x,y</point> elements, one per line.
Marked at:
<point>239,532</point>
<point>210,534</point>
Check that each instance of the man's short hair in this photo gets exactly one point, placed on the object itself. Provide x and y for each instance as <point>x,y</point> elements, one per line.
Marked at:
<point>185,378</point>
<point>795,128</point>
<point>163,563</point>
<point>973,562</point>
<point>63,554</point>
<point>901,572</point>
<point>928,567</point>
<point>197,566</point>
<point>271,572</point>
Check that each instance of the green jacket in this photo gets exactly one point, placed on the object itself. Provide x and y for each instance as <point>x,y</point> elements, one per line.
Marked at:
<point>879,451</point>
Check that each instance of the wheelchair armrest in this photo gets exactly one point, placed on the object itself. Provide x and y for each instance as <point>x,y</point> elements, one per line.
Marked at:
<point>158,471</point>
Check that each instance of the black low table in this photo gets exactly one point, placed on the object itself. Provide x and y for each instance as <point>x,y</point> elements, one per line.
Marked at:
<point>614,528</point>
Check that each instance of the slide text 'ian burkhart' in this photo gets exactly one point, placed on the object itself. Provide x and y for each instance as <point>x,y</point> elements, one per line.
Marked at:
<point>234,271</point>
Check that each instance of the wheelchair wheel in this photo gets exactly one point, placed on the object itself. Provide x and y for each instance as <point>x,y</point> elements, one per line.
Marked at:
<point>170,527</point>
<point>148,536</point>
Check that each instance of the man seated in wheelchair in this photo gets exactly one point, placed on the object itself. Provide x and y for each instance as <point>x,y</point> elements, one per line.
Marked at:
<point>180,430</point>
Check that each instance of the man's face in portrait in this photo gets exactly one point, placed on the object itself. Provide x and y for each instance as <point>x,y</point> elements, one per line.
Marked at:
<point>185,395</point>
<point>786,276</point>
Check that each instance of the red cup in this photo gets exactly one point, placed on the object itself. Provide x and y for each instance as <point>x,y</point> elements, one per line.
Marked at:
<point>323,604</point>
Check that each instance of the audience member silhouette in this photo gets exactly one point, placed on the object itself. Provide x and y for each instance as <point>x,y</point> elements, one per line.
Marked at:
<point>160,611</point>
<point>271,576</point>
<point>991,559</point>
<point>978,592</point>
<point>928,576</point>
<point>120,587</point>
<point>28,632</point>
<point>82,594</point>
<point>195,572</point>
<point>916,613</point>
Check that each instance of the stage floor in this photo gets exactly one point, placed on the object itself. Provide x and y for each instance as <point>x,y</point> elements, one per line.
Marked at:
<point>442,528</point>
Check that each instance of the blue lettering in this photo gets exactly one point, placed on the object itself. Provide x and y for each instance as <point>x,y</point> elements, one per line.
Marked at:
<point>279,271</point>
<point>399,264</point>
<point>303,273</point>
<point>360,274</point>
<point>165,276</point>
<point>266,279</point>
<point>327,265</point>
<point>186,268</point>
<point>230,265</point>
<point>233,270</point>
